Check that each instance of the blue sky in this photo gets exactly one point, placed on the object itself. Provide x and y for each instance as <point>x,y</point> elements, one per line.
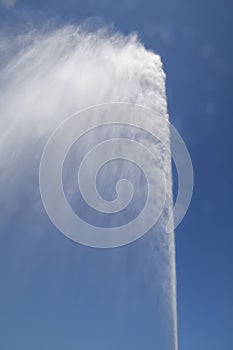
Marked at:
<point>195,42</point>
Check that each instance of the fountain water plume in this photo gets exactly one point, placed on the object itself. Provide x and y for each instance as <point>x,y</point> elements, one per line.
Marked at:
<point>50,75</point>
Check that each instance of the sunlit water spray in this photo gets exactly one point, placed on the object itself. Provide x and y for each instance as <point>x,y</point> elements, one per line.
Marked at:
<point>51,75</point>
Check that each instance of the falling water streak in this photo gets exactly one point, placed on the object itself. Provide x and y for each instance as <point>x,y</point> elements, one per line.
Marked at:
<point>130,73</point>
<point>174,293</point>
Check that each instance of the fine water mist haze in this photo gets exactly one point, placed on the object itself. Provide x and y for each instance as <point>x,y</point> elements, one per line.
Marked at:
<point>47,75</point>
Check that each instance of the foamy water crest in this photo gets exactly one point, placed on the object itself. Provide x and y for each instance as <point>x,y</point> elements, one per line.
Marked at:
<point>114,91</point>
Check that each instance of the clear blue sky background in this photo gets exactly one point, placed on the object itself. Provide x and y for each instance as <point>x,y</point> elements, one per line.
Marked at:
<point>194,39</point>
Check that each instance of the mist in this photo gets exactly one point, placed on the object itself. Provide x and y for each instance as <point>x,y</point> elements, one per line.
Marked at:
<point>50,74</point>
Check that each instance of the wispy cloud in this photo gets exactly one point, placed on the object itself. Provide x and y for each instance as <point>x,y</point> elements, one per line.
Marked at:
<point>9,4</point>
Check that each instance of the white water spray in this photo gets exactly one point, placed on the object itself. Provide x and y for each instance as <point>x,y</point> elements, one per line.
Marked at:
<point>54,74</point>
